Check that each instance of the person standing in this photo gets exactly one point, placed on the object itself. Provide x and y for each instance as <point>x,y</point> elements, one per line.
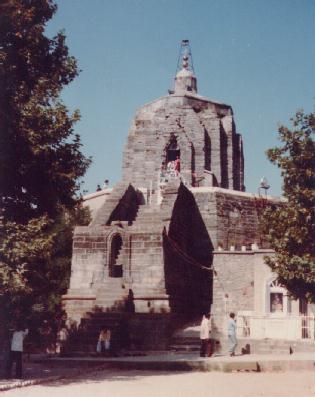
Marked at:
<point>16,351</point>
<point>104,346</point>
<point>62,340</point>
<point>177,166</point>
<point>232,334</point>
<point>106,184</point>
<point>205,328</point>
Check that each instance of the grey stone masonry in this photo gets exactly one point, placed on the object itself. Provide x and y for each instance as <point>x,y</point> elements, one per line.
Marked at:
<point>233,287</point>
<point>205,135</point>
<point>111,203</point>
<point>181,199</point>
<point>199,131</point>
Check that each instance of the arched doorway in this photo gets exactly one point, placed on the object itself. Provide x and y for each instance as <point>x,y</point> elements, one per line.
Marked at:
<point>171,166</point>
<point>172,150</point>
<point>115,269</point>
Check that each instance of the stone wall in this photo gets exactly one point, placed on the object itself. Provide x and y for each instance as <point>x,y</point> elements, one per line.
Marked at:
<point>237,220</point>
<point>233,287</point>
<point>231,217</point>
<point>187,256</point>
<point>205,135</point>
<point>87,267</point>
<point>88,258</point>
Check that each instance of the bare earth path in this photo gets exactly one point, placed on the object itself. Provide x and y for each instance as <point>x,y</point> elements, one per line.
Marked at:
<point>114,383</point>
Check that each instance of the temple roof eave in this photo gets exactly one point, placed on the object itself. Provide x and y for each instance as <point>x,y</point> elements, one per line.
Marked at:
<point>196,97</point>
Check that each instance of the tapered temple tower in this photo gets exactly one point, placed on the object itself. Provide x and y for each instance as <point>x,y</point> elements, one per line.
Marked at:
<point>199,132</point>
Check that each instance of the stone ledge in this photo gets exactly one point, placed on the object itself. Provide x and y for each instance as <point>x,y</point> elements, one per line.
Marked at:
<point>249,252</point>
<point>151,297</point>
<point>78,297</point>
<point>230,192</point>
<point>102,192</point>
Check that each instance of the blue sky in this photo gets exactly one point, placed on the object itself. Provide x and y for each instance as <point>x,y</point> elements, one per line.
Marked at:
<point>257,56</point>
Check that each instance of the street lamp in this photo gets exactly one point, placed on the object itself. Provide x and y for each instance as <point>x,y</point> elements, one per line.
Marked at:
<point>263,185</point>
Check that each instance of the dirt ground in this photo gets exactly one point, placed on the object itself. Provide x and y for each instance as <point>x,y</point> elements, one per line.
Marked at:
<point>114,383</point>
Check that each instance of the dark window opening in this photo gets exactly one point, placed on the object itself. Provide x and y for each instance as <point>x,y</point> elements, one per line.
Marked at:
<point>172,155</point>
<point>172,151</point>
<point>115,270</point>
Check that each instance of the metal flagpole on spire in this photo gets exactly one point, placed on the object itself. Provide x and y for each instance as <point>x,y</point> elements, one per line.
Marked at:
<point>185,57</point>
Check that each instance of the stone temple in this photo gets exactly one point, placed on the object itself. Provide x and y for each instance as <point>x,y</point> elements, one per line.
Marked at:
<point>178,236</point>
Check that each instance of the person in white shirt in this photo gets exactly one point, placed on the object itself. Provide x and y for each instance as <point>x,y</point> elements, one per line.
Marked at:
<point>62,340</point>
<point>232,334</point>
<point>16,351</point>
<point>205,328</point>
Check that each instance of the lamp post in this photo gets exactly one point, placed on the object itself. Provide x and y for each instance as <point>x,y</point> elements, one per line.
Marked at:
<point>263,185</point>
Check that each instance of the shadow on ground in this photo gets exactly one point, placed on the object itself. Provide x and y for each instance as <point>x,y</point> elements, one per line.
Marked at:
<point>110,375</point>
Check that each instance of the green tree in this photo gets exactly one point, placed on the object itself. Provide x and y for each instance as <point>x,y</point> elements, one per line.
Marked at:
<point>35,267</point>
<point>290,227</point>
<point>41,163</point>
<point>40,159</point>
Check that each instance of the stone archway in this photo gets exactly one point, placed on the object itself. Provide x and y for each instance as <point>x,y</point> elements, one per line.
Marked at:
<point>115,269</point>
<point>172,149</point>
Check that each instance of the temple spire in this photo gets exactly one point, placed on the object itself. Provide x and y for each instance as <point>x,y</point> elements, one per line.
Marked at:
<point>185,80</point>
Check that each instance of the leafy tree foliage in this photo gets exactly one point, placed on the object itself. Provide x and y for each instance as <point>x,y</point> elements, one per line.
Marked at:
<point>35,267</point>
<point>290,227</point>
<point>40,158</point>
<point>41,164</point>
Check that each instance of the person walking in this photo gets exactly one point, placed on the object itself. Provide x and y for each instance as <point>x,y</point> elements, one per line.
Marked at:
<point>232,334</point>
<point>205,328</point>
<point>16,351</point>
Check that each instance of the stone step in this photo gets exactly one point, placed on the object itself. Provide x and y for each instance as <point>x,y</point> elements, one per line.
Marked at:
<point>149,215</point>
<point>113,281</point>
<point>111,297</point>
<point>110,204</point>
<point>108,286</point>
<point>111,294</point>
<point>184,348</point>
<point>185,341</point>
<point>111,288</point>
<point>112,300</point>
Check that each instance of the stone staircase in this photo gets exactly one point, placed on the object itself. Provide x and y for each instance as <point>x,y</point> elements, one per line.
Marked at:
<point>147,246</point>
<point>155,216</point>
<point>112,294</point>
<point>104,213</point>
<point>132,333</point>
<point>148,219</point>
<point>184,345</point>
<point>120,256</point>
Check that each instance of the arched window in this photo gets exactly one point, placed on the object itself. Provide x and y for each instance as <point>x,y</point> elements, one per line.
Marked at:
<point>115,269</point>
<point>278,301</point>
